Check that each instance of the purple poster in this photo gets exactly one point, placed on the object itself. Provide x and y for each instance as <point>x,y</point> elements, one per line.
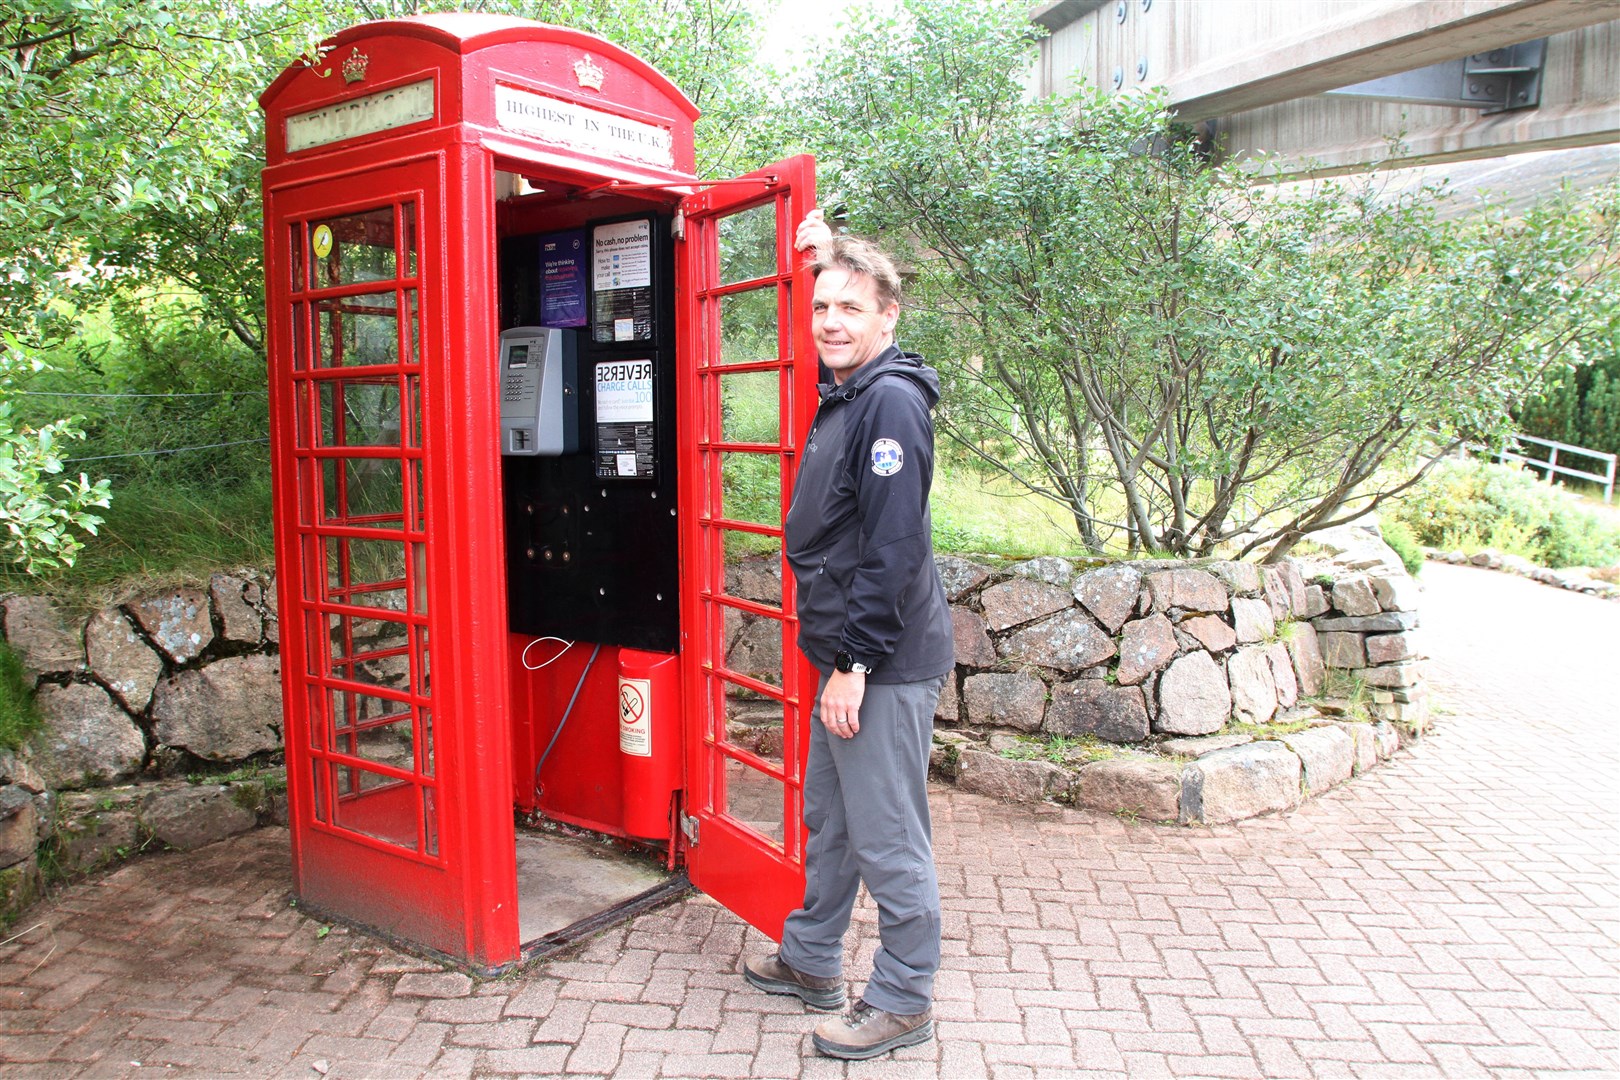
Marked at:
<point>562,278</point>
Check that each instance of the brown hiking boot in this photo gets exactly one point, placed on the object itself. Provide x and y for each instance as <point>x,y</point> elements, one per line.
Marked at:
<point>774,977</point>
<point>867,1032</point>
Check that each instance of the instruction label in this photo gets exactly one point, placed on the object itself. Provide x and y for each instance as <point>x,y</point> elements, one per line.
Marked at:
<point>623,255</point>
<point>625,427</point>
<point>621,282</point>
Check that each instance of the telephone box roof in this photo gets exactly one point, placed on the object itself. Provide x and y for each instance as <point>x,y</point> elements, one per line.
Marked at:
<point>465,33</point>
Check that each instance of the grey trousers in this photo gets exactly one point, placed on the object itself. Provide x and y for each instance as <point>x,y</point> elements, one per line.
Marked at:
<point>866,809</point>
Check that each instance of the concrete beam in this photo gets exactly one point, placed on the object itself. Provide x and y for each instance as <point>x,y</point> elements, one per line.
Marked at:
<point>1370,44</point>
<point>1060,13</point>
<point>1594,123</point>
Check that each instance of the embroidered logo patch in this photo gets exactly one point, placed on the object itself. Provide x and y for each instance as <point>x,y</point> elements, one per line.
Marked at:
<point>887,457</point>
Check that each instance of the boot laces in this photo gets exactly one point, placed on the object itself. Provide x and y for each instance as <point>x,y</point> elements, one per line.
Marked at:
<point>862,1014</point>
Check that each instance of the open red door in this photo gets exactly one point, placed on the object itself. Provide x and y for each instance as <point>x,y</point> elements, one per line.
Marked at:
<point>378,496</point>
<point>748,393</point>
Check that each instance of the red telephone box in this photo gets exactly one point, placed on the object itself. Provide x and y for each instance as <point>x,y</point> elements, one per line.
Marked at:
<point>535,396</point>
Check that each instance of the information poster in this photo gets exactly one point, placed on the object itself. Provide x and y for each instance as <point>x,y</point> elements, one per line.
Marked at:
<point>625,428</point>
<point>621,280</point>
<point>562,279</point>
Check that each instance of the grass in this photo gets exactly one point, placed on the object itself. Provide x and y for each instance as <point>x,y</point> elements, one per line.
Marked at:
<point>160,533</point>
<point>1339,684</point>
<point>18,717</point>
<point>976,514</point>
<point>1271,730</point>
<point>1061,749</point>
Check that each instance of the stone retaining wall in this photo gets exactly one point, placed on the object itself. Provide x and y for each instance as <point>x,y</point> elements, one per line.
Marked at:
<point>176,685</point>
<point>1139,686</point>
<point>1192,692</point>
<point>1170,690</point>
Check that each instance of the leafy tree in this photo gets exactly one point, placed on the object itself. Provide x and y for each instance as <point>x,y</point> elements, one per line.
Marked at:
<point>131,145</point>
<point>130,150</point>
<point>38,510</point>
<point>1581,407</point>
<point>1180,358</point>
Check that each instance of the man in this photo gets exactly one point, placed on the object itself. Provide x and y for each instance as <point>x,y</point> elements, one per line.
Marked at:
<point>874,621</point>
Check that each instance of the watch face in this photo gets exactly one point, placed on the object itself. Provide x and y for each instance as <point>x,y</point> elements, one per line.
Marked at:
<point>843,661</point>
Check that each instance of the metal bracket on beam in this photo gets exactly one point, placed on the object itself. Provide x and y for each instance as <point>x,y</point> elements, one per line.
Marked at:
<point>1496,81</point>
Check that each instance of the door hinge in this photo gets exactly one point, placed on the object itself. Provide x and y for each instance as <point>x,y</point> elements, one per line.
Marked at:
<point>689,826</point>
<point>677,229</point>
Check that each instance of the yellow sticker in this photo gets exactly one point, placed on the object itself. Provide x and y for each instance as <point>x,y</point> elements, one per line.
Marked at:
<point>322,240</point>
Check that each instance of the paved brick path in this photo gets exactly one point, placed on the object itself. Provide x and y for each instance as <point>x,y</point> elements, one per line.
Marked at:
<point>1454,913</point>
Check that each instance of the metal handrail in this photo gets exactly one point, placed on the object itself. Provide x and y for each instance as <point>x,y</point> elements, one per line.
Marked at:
<point>1550,463</point>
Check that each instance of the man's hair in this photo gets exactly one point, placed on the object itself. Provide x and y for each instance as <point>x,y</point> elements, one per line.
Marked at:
<point>861,257</point>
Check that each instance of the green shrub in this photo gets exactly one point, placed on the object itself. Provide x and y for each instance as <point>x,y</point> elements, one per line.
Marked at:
<point>1398,535</point>
<point>18,716</point>
<point>160,399</point>
<point>1470,505</point>
<point>163,530</point>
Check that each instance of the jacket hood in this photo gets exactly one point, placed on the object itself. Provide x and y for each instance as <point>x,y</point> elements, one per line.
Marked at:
<point>891,361</point>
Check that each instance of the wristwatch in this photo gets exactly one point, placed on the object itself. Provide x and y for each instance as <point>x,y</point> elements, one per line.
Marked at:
<point>843,660</point>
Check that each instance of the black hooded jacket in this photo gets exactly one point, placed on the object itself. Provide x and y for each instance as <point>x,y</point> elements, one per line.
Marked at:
<point>858,531</point>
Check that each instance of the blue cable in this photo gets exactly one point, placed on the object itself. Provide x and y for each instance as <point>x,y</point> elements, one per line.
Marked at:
<point>564,721</point>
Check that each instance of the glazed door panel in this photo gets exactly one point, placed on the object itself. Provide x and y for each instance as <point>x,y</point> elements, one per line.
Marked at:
<point>749,369</point>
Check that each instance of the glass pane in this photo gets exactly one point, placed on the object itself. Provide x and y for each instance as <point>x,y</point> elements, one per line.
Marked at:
<point>373,728</point>
<point>357,247</point>
<point>739,545</point>
<point>311,554</point>
<point>748,326</point>
<point>295,244</point>
<point>430,821</point>
<point>300,337</point>
<point>375,651</point>
<point>317,775</point>
<point>754,724</point>
<point>413,409</point>
<point>753,648</point>
<point>756,577</point>
<point>357,331</point>
<point>413,329</point>
<point>378,806</point>
<point>407,238</point>
<point>302,421</point>
<point>418,498</point>
<point>748,244</point>
<point>751,407</point>
<point>753,799</point>
<point>319,723</point>
<point>368,572</point>
<point>357,412</point>
<point>368,492</point>
<point>424,748</point>
<point>751,487</point>
<point>419,588</point>
<point>424,672</point>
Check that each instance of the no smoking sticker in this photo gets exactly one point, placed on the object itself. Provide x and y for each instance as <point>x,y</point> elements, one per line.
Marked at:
<point>635,717</point>
<point>321,240</point>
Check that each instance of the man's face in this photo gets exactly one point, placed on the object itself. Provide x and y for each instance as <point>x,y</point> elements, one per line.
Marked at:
<point>850,325</point>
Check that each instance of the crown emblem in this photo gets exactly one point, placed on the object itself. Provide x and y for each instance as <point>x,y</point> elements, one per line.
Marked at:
<point>354,68</point>
<point>589,73</point>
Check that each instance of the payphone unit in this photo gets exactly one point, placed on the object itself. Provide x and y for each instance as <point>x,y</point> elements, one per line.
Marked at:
<point>539,392</point>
